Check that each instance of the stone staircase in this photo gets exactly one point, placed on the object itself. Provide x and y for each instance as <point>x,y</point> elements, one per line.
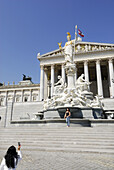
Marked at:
<point>47,147</point>
<point>51,138</point>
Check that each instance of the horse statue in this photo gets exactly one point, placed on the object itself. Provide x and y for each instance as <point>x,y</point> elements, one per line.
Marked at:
<point>26,78</point>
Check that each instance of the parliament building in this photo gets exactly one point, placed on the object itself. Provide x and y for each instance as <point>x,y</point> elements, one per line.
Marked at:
<point>95,60</point>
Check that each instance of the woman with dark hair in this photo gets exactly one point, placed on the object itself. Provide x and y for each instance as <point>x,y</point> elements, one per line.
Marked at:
<point>11,158</point>
<point>67,117</point>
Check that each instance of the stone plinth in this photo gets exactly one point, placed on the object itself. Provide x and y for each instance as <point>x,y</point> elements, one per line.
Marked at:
<point>25,82</point>
<point>76,112</point>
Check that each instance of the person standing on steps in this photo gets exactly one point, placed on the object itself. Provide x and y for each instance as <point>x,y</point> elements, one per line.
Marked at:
<point>67,117</point>
<point>11,158</point>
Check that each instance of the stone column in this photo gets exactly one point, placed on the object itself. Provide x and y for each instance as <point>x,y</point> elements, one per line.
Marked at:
<point>38,98</point>
<point>42,83</point>
<point>99,79</point>
<point>52,79</point>
<point>22,96</point>
<point>6,98</point>
<point>86,72</point>
<point>14,96</point>
<point>45,84</point>
<point>63,71</point>
<point>111,75</point>
<point>48,89</point>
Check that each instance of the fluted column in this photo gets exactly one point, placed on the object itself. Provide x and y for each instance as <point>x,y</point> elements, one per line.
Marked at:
<point>52,79</point>
<point>111,75</point>
<point>86,72</point>
<point>99,79</point>
<point>42,83</point>
<point>63,71</point>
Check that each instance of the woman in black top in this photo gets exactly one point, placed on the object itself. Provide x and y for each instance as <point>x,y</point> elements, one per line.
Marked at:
<point>67,117</point>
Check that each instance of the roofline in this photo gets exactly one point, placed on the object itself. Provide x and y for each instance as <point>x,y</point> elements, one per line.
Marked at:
<point>19,86</point>
<point>79,42</point>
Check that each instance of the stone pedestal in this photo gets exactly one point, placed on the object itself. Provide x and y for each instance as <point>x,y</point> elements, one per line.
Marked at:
<point>51,114</point>
<point>76,112</point>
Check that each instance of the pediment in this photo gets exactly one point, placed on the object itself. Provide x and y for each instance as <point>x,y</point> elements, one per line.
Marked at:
<point>80,47</point>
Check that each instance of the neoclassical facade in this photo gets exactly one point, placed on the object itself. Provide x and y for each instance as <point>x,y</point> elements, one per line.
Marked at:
<point>95,60</point>
<point>24,92</point>
<point>18,101</point>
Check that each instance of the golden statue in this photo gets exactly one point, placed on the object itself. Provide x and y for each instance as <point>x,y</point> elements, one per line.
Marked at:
<point>68,50</point>
<point>68,36</point>
<point>60,45</point>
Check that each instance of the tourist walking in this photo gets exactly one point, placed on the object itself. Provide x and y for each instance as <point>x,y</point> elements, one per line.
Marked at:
<point>11,158</point>
<point>67,117</point>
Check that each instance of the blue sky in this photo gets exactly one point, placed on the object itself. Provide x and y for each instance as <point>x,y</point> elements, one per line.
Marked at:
<point>31,26</point>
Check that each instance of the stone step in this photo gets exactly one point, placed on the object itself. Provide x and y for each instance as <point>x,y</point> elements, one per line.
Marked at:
<point>70,145</point>
<point>65,149</point>
<point>59,139</point>
<point>49,146</point>
<point>49,142</point>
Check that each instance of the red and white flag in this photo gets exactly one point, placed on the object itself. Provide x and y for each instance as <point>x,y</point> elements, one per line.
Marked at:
<point>80,33</point>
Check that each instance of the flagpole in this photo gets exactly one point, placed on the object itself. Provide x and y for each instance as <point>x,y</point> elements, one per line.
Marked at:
<point>75,37</point>
<point>76,32</point>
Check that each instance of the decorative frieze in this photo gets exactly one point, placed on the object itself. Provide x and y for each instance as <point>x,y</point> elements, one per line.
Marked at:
<point>81,48</point>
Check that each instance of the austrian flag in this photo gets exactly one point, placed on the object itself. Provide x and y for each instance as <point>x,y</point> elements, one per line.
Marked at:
<point>80,33</point>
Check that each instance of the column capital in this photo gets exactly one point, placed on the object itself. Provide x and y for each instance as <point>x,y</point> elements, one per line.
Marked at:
<point>63,65</point>
<point>52,66</point>
<point>86,62</point>
<point>98,61</point>
<point>110,60</point>
<point>41,67</point>
<point>45,69</point>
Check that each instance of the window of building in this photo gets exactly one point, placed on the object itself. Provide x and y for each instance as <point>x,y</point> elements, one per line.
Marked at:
<point>1,102</point>
<point>17,99</point>
<point>34,98</point>
<point>26,99</point>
